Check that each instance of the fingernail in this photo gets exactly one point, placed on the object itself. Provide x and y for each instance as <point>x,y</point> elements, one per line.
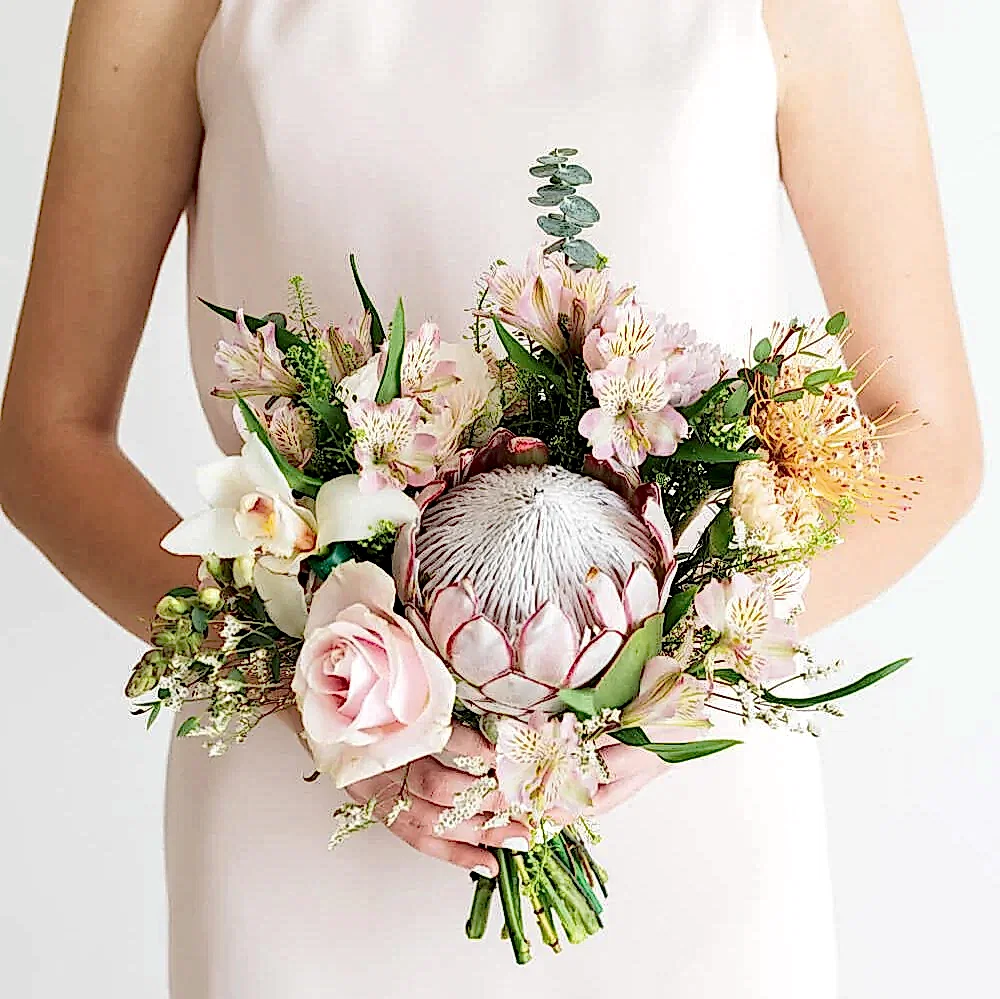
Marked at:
<point>517,843</point>
<point>482,870</point>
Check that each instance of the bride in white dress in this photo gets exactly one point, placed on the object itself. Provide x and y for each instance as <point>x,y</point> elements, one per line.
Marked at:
<point>401,130</point>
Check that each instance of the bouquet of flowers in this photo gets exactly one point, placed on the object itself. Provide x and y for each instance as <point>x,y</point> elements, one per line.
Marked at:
<point>576,525</point>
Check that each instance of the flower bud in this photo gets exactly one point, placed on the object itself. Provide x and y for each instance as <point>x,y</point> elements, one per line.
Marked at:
<point>146,675</point>
<point>171,608</point>
<point>210,597</point>
<point>165,639</point>
<point>243,571</point>
<point>218,569</point>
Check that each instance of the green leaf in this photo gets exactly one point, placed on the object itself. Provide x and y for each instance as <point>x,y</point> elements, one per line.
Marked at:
<point>790,396</point>
<point>762,351</point>
<point>833,695</point>
<point>580,210</point>
<point>571,173</point>
<point>525,360</point>
<point>332,414</point>
<point>295,478</point>
<point>323,565</point>
<point>620,683</point>
<point>681,752</point>
<point>581,700</point>
<point>378,330</point>
<point>710,453</point>
<point>557,226</point>
<point>236,676</point>
<point>566,151</point>
<point>550,200</point>
<point>187,727</point>
<point>581,252</point>
<point>720,533</point>
<point>554,159</point>
<point>820,376</point>
<point>562,190</point>
<point>836,324</point>
<point>154,713</point>
<point>677,606</point>
<point>182,592</point>
<point>736,404</point>
<point>391,386</point>
<point>199,619</point>
<point>768,368</point>
<point>283,337</point>
<point>632,736</point>
<point>700,405</point>
<point>543,169</point>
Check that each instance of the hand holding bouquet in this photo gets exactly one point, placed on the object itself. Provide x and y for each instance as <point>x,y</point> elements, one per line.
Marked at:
<point>577,528</point>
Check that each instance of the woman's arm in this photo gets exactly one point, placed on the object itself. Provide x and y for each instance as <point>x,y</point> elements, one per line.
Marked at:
<point>123,162</point>
<point>857,165</point>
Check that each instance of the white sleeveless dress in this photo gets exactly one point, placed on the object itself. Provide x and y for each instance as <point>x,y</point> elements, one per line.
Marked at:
<point>402,130</point>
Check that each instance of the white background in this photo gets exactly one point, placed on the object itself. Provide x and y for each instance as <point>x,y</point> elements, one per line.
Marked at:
<point>913,809</point>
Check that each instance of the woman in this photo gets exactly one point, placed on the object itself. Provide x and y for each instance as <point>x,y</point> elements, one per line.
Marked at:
<point>295,131</point>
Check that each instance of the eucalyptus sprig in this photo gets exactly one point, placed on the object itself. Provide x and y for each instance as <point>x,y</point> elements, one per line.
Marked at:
<point>573,213</point>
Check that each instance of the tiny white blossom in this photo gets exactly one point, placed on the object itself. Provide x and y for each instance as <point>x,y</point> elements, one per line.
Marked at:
<point>465,804</point>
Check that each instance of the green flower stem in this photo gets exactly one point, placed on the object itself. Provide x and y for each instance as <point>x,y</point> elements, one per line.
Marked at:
<point>571,923</point>
<point>567,889</point>
<point>549,936</point>
<point>482,899</point>
<point>510,898</point>
<point>573,868</point>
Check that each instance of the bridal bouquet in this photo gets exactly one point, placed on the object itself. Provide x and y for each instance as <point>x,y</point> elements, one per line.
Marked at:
<point>577,525</point>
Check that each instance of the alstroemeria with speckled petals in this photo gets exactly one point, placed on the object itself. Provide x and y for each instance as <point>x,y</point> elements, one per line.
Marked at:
<point>541,769</point>
<point>391,445</point>
<point>288,426</point>
<point>634,417</point>
<point>670,705</point>
<point>253,365</point>
<point>752,638</point>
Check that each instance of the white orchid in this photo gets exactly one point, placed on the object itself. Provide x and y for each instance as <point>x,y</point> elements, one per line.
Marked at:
<point>254,518</point>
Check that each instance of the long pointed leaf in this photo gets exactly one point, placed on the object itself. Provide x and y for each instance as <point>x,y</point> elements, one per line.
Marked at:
<point>677,606</point>
<point>681,752</point>
<point>833,695</point>
<point>391,385</point>
<point>331,414</point>
<point>710,453</point>
<point>621,682</point>
<point>282,337</point>
<point>297,479</point>
<point>378,330</point>
<point>525,360</point>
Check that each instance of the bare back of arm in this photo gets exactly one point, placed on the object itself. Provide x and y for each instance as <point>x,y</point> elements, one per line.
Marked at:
<point>123,162</point>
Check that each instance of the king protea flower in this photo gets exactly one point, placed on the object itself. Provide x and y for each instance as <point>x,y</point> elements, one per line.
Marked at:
<point>527,578</point>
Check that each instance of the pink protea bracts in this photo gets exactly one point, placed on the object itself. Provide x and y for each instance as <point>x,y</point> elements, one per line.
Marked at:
<point>527,578</point>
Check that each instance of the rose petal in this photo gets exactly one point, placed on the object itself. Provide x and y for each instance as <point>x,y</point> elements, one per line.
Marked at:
<point>350,583</point>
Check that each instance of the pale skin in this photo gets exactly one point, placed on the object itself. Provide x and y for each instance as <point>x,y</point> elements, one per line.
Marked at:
<point>856,162</point>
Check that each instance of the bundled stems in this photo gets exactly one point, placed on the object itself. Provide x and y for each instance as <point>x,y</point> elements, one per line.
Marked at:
<point>559,880</point>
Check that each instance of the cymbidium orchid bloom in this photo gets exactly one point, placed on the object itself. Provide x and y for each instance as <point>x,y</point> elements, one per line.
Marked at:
<point>527,578</point>
<point>550,303</point>
<point>752,639</point>
<point>541,768</point>
<point>253,365</point>
<point>670,703</point>
<point>254,518</point>
<point>633,417</point>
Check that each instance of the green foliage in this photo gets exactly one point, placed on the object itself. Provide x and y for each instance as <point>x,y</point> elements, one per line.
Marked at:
<point>573,213</point>
<point>378,330</point>
<point>391,385</point>
<point>283,337</point>
<point>297,479</point>
<point>522,358</point>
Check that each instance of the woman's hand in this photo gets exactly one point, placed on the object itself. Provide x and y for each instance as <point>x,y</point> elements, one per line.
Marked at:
<point>431,786</point>
<point>631,769</point>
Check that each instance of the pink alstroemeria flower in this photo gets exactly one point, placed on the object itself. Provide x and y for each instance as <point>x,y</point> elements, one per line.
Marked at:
<point>634,417</point>
<point>390,446</point>
<point>253,365</point>
<point>540,767</point>
<point>753,639</point>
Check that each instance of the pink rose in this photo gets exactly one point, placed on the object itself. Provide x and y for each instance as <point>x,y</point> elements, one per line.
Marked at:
<point>373,697</point>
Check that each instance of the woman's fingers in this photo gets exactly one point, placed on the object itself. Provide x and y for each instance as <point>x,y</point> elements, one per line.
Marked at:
<point>415,833</point>
<point>467,741</point>
<point>631,769</point>
<point>433,781</point>
<point>471,831</point>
